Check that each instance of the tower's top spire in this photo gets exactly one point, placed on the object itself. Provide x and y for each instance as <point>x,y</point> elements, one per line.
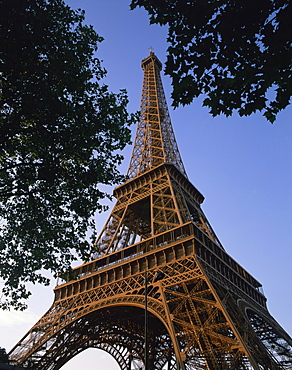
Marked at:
<point>155,142</point>
<point>151,59</point>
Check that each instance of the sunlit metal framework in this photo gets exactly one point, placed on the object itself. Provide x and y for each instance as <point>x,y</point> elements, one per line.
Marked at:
<point>205,310</point>
<point>155,142</point>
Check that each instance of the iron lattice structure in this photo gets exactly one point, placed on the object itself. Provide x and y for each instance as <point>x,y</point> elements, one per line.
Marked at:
<point>158,251</point>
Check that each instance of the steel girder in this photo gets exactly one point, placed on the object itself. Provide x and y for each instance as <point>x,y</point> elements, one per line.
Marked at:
<point>157,247</point>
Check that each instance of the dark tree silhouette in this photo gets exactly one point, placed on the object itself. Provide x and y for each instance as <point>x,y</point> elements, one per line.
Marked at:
<point>236,53</point>
<point>60,130</point>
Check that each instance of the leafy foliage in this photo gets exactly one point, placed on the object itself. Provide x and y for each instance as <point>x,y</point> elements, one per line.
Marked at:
<point>4,358</point>
<point>237,53</point>
<point>60,130</point>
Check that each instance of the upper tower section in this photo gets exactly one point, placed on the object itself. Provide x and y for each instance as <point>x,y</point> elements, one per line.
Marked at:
<point>155,142</point>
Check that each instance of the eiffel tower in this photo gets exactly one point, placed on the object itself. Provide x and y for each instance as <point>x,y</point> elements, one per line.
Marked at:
<point>161,292</point>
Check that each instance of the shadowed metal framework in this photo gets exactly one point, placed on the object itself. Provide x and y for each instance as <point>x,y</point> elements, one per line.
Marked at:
<point>204,311</point>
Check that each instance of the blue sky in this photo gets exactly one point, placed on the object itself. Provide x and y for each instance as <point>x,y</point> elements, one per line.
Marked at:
<point>241,165</point>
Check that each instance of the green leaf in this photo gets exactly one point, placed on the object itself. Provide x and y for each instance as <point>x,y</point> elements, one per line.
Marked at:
<point>61,131</point>
<point>246,42</point>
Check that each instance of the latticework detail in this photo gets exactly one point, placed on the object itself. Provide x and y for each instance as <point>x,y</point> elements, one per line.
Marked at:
<point>155,141</point>
<point>158,258</point>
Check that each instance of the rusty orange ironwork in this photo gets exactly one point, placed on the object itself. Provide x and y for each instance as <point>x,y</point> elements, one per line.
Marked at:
<point>157,250</point>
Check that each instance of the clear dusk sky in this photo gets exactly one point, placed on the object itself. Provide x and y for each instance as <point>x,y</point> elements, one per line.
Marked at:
<point>243,166</point>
